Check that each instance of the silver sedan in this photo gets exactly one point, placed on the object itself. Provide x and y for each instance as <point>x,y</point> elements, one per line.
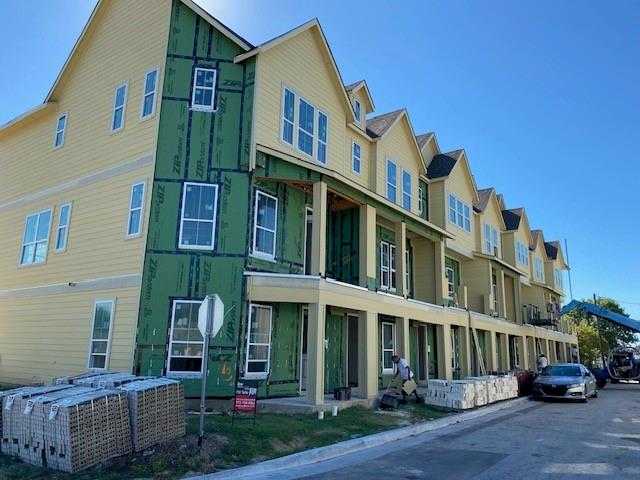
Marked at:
<point>565,380</point>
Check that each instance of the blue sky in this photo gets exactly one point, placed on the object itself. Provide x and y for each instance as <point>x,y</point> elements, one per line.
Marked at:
<point>544,96</point>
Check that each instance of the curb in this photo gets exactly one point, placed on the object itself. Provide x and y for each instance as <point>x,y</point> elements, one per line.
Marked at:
<point>339,449</point>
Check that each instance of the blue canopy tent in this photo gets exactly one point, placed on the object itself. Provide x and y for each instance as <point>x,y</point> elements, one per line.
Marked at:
<point>602,313</point>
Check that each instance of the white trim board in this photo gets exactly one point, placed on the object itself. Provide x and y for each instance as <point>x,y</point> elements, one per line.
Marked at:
<point>105,283</point>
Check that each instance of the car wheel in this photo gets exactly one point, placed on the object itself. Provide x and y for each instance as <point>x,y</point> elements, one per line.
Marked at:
<point>595,394</point>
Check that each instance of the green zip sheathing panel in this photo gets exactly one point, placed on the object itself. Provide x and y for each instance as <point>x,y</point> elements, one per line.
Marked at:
<point>343,254</point>
<point>413,350</point>
<point>433,351</point>
<point>204,147</point>
<point>335,359</point>
<point>425,199</point>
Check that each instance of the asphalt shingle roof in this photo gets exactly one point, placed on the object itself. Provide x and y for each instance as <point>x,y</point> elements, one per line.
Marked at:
<point>512,218</point>
<point>442,164</point>
<point>423,139</point>
<point>353,85</point>
<point>552,249</point>
<point>483,195</point>
<point>534,237</point>
<point>377,126</point>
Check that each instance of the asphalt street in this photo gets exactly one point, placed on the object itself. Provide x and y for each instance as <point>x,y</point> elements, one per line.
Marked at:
<point>537,440</point>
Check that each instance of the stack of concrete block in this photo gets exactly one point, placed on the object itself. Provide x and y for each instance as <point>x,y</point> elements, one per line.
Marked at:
<point>70,379</point>
<point>83,430</point>
<point>109,380</point>
<point>484,390</point>
<point>156,408</point>
<point>498,387</point>
<point>12,413</point>
<point>455,394</point>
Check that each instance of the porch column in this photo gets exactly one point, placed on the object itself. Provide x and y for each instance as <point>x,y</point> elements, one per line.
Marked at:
<point>315,353</point>
<point>524,353</point>
<point>445,371</point>
<point>492,351</point>
<point>319,230</point>
<point>368,363</point>
<point>466,352</point>
<point>440,277</point>
<point>401,259</point>
<point>506,355</point>
<point>517,290</point>
<point>502,301</point>
<point>368,247</point>
<point>402,345</point>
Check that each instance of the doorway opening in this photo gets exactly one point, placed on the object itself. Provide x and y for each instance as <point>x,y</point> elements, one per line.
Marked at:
<point>352,350</point>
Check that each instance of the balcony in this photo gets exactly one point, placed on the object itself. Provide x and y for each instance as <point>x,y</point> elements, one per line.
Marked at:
<point>533,316</point>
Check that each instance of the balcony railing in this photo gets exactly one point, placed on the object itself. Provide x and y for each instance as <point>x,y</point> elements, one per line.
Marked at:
<point>533,316</point>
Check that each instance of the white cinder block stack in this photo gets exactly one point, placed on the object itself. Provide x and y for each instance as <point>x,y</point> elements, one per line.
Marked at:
<point>109,380</point>
<point>156,407</point>
<point>470,392</point>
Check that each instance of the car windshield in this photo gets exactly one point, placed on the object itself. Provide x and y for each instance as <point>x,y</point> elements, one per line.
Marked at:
<point>561,371</point>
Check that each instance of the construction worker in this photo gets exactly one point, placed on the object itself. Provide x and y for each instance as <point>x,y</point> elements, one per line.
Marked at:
<point>542,362</point>
<point>574,354</point>
<point>404,371</point>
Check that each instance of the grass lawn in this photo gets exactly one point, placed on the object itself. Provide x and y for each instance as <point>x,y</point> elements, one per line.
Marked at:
<point>228,446</point>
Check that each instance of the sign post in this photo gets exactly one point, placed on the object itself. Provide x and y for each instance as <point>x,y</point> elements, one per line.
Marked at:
<point>210,318</point>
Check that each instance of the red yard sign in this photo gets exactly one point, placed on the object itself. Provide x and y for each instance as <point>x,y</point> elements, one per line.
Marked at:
<point>246,396</point>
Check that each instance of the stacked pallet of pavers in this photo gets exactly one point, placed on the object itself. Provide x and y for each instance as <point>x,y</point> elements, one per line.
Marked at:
<point>86,429</point>
<point>453,394</point>
<point>156,407</point>
<point>108,380</point>
<point>436,393</point>
<point>484,390</point>
<point>12,414</point>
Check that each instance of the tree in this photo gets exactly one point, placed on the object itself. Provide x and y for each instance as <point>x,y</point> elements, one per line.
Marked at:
<point>587,330</point>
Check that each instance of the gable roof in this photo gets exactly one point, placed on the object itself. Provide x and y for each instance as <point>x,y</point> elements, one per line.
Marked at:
<point>424,139</point>
<point>378,126</point>
<point>355,86</point>
<point>552,249</point>
<point>484,196</point>
<point>512,218</point>
<point>442,164</point>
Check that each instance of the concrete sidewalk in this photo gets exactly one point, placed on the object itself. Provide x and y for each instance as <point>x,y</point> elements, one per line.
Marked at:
<point>351,446</point>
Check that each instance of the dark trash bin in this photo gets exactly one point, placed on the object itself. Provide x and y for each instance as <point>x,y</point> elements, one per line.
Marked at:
<point>342,393</point>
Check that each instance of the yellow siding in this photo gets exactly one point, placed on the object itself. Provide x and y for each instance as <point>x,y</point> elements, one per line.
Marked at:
<point>493,217</point>
<point>398,145</point>
<point>424,273</point>
<point>365,160</point>
<point>437,211</point>
<point>476,276</point>
<point>524,235</point>
<point>86,172</point>
<point>47,336</point>
<point>429,151</point>
<point>459,184</point>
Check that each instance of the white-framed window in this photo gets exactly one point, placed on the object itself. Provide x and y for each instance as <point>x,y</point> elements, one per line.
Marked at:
<point>392,180</point>
<point>101,328</point>
<point>522,253</point>
<point>451,281</point>
<point>198,219</point>
<point>557,274</point>
<point>306,128</point>
<point>387,266</point>
<point>538,269</point>
<point>406,190</point>
<point>265,222</point>
<point>323,124</point>
<point>494,291</point>
<point>136,204</point>
<point>357,109</point>
<point>388,340</point>
<point>407,270</point>
<point>356,154</point>
<point>258,354</point>
<point>148,107</point>
<point>306,123</point>
<point>119,107</point>
<point>288,116</point>
<point>203,96</point>
<point>61,126</point>
<point>491,240</point>
<point>186,343</point>
<point>459,213</point>
<point>64,217</point>
<point>35,240</point>
<point>420,199</point>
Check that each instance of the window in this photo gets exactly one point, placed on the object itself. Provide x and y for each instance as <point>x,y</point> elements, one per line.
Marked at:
<point>264,226</point>
<point>538,269</point>
<point>557,274</point>
<point>491,245</point>
<point>420,200</point>
<point>149,94</point>
<point>258,342</point>
<point>322,137</point>
<point>494,291</point>
<point>198,220</point>
<point>119,104</point>
<point>387,266</point>
<point>288,106</point>
<point>134,224</point>
<point>451,281</point>
<point>35,240</point>
<point>459,213</point>
<point>101,335</point>
<point>357,109</point>
<point>186,343</point>
<point>305,128</point>
<point>356,158</point>
<point>522,253</point>
<point>204,86</point>
<point>406,190</point>
<point>407,271</point>
<point>391,180</point>
<point>388,346</point>
<point>63,227</point>
<point>61,125</point>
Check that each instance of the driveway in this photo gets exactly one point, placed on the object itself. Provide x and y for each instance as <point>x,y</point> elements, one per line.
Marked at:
<point>539,440</point>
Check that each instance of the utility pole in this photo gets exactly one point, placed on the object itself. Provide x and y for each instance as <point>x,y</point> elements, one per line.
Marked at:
<point>604,363</point>
<point>566,249</point>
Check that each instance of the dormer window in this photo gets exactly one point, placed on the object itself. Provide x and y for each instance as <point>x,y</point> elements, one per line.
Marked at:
<point>357,109</point>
